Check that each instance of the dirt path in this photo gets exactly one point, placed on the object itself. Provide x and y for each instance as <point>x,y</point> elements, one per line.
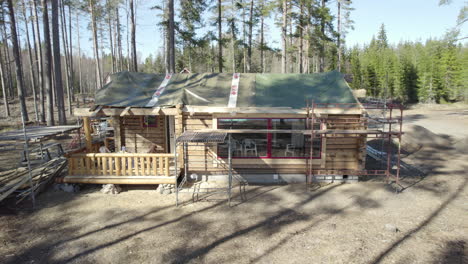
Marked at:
<point>365,222</point>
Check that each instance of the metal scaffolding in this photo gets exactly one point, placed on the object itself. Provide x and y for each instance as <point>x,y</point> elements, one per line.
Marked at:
<point>381,129</point>
<point>205,142</point>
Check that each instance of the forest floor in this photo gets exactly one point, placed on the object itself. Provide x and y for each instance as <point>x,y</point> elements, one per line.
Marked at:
<point>365,222</point>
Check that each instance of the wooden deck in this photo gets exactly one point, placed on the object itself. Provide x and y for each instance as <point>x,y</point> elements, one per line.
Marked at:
<point>120,168</point>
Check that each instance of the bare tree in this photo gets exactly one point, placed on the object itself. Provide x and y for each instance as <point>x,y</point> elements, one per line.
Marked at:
<point>132,18</point>
<point>220,37</point>
<point>249,47</point>
<point>17,57</point>
<point>4,90</point>
<point>79,52</point>
<point>119,38</point>
<point>31,64</point>
<point>171,33</point>
<point>57,64</point>
<point>96,45</point>
<point>109,24</point>
<point>47,66</point>
<point>66,56</point>
<point>284,35</point>
<point>38,49</point>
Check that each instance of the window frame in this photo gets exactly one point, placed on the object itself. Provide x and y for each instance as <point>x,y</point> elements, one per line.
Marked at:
<point>145,125</point>
<point>270,138</point>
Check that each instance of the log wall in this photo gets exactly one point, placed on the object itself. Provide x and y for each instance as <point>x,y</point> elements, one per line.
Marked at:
<point>343,152</point>
<point>139,139</point>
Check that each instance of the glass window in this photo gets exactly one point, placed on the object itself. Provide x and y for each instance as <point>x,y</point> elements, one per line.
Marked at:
<point>269,145</point>
<point>292,145</point>
<point>245,145</point>
<point>150,121</point>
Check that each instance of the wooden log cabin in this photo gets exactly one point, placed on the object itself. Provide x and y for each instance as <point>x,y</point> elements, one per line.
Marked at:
<point>271,120</point>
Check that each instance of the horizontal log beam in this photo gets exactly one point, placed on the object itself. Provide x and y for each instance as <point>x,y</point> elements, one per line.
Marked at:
<point>118,179</point>
<point>118,111</point>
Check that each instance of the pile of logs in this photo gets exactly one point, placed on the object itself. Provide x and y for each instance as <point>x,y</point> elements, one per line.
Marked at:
<point>17,181</point>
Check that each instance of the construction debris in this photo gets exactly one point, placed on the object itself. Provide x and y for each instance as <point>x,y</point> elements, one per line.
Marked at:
<point>16,181</point>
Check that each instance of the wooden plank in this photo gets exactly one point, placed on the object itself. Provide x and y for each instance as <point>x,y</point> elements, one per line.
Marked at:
<point>104,166</point>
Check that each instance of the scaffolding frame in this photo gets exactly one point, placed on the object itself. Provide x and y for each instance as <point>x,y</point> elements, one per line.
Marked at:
<point>385,133</point>
<point>313,116</point>
<point>197,139</point>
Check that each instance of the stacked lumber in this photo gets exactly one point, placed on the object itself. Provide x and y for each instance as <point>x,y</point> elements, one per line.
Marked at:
<point>18,180</point>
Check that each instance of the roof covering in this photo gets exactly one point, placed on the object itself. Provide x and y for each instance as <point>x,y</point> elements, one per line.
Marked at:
<point>214,89</point>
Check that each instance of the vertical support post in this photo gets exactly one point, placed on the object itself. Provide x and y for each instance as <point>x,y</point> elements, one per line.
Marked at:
<point>399,146</point>
<point>26,150</point>
<point>389,145</point>
<point>87,130</point>
<point>230,169</point>
<point>117,133</point>
<point>176,174</point>
<point>312,137</point>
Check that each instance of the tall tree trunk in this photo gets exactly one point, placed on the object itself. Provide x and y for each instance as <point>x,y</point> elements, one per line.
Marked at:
<point>244,37</point>
<point>233,36</point>
<point>80,83</point>
<point>31,64</point>
<point>339,34</point>
<point>171,33</point>
<point>38,49</point>
<point>57,64</point>
<point>96,45</point>
<point>70,54</point>
<point>111,43</point>
<point>322,40</point>
<point>18,67</point>
<point>134,54</point>
<point>262,41</point>
<point>283,36</point>
<point>66,56</point>
<point>6,50</point>
<point>47,66</point>
<point>128,39</point>
<point>249,48</point>
<point>119,39</point>
<point>4,90</point>
<point>301,37</point>
<point>220,40</point>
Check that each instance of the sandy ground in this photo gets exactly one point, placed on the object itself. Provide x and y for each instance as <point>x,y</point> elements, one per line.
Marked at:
<point>366,222</point>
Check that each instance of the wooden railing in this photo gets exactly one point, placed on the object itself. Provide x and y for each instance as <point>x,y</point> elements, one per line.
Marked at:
<point>120,164</point>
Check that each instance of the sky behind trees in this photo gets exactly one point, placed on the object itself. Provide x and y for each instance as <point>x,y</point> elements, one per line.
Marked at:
<point>404,20</point>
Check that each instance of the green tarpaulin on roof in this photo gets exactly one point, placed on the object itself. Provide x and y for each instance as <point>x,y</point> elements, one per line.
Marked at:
<point>214,89</point>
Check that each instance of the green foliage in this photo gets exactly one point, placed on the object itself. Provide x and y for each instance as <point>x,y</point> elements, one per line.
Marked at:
<point>433,72</point>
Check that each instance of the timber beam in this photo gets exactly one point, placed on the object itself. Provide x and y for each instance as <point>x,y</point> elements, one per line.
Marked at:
<point>85,112</point>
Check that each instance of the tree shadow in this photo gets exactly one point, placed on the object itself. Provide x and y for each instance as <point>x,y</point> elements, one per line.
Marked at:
<point>421,225</point>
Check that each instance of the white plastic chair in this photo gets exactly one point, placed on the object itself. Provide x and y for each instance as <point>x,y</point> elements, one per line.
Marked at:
<point>236,147</point>
<point>290,149</point>
<point>250,146</point>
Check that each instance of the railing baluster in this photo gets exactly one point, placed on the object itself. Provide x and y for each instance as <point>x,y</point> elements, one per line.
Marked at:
<point>154,170</point>
<point>161,166</point>
<point>166,166</point>
<point>104,165</point>
<point>117,166</point>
